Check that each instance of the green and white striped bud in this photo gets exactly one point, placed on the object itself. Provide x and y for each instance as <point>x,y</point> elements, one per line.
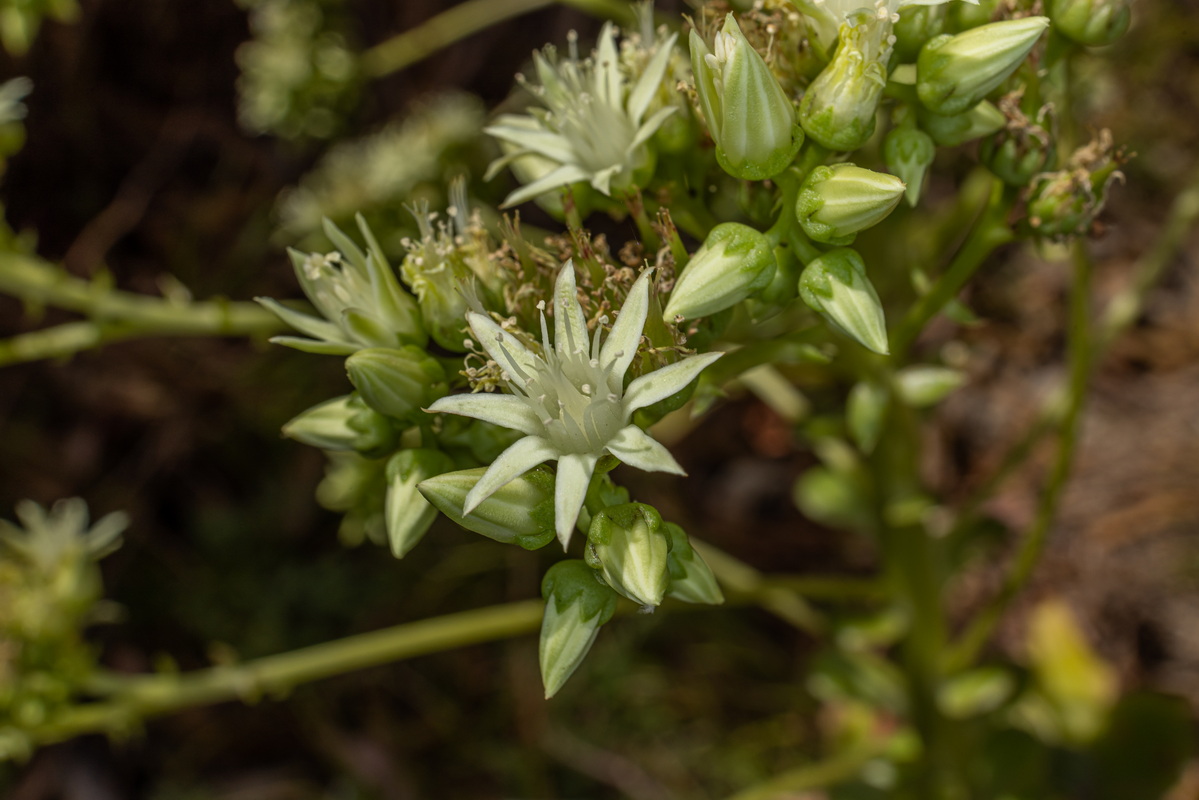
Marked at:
<point>953,73</point>
<point>950,131</point>
<point>1093,23</point>
<point>631,551</point>
<point>577,603</point>
<point>750,117</point>
<point>838,108</point>
<point>909,152</point>
<point>835,284</point>
<point>345,423</point>
<point>921,387</point>
<point>734,262</point>
<point>837,202</point>
<point>396,382</point>
<point>408,514</point>
<point>691,579</point>
<point>521,512</point>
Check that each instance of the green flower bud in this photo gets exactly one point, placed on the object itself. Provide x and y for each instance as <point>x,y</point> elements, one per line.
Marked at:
<point>576,605</point>
<point>909,152</point>
<point>734,262</point>
<point>865,413</point>
<point>917,24</point>
<point>407,513</point>
<point>396,382</point>
<point>1093,23</point>
<point>921,387</point>
<point>838,108</point>
<point>955,72</point>
<point>521,512</point>
<point>750,117</point>
<point>836,286</point>
<point>345,423</point>
<point>356,486</point>
<point>964,16</point>
<point>837,202</point>
<point>629,548</point>
<point>1017,156</point>
<point>982,120</point>
<point>691,579</point>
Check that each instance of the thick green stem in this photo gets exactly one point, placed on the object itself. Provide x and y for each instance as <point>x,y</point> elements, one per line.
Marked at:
<point>989,232</point>
<point>147,696</point>
<point>405,49</point>
<point>113,314</point>
<point>1082,356</point>
<point>838,769</point>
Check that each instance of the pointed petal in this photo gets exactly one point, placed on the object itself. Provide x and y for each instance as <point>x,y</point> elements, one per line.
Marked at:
<point>570,329</point>
<point>504,348</point>
<point>562,176</point>
<point>638,449</point>
<point>570,488</point>
<point>621,345</point>
<point>647,84</point>
<point>662,383</point>
<point>518,459</point>
<point>505,410</point>
<point>314,346</point>
<point>609,81</point>
<point>346,246</point>
<point>551,145</point>
<point>315,327</point>
<point>602,181</point>
<point>650,127</point>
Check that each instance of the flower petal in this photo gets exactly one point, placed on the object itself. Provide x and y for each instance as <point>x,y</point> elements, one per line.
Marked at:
<point>662,383</point>
<point>518,459</point>
<point>651,78</point>
<point>609,82</point>
<point>504,348</point>
<point>638,449</point>
<point>570,329</point>
<point>505,410</point>
<point>304,323</point>
<point>570,489</point>
<point>562,176</point>
<point>649,128</point>
<point>527,134</point>
<point>315,346</point>
<point>621,345</point>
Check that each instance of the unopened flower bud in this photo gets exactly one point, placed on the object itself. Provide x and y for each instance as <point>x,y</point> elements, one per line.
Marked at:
<point>837,202</point>
<point>691,579</point>
<point>396,382</point>
<point>917,24</point>
<point>734,262</point>
<point>964,16</point>
<point>750,117</point>
<point>344,423</point>
<point>836,286</point>
<point>955,72</point>
<point>909,152</point>
<point>921,387</point>
<point>629,548</point>
<point>950,131</point>
<point>1017,156</point>
<point>576,605</point>
<point>521,512</point>
<point>838,108</point>
<point>408,514</point>
<point>1093,23</point>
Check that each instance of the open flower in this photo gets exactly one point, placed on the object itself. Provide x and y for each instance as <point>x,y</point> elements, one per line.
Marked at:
<point>592,126</point>
<point>570,400</point>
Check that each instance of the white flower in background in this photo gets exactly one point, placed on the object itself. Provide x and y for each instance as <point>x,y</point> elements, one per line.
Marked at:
<point>570,400</point>
<point>592,127</point>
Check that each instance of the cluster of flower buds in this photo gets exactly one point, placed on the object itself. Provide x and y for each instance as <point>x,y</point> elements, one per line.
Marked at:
<point>1066,202</point>
<point>49,591</point>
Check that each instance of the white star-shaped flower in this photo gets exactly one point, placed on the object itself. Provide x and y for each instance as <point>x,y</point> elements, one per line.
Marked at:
<point>593,127</point>
<point>570,400</point>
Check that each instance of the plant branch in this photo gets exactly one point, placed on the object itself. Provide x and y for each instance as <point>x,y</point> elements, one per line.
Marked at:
<point>407,48</point>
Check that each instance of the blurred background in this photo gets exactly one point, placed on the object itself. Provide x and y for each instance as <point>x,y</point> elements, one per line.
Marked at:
<point>158,149</point>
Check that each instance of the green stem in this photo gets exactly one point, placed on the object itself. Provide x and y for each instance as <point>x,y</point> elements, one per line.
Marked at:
<point>113,314</point>
<point>989,232</point>
<point>1082,356</point>
<point>837,769</point>
<point>405,49</point>
<point>274,675</point>
<point>745,582</point>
